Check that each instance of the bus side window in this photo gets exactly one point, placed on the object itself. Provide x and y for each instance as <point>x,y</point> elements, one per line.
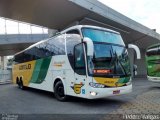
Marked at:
<point>159,51</point>
<point>72,38</point>
<point>152,51</point>
<point>79,59</point>
<point>57,45</point>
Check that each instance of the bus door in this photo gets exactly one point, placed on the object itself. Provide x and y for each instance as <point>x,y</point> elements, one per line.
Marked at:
<point>79,69</point>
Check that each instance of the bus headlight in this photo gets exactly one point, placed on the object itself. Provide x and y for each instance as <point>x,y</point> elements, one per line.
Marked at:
<point>93,93</point>
<point>96,85</point>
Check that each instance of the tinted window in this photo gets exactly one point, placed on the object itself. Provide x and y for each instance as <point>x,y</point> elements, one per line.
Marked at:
<point>79,59</point>
<point>100,50</point>
<point>57,45</point>
<point>19,58</point>
<point>152,51</point>
<point>102,36</point>
<point>26,56</point>
<point>72,38</point>
<point>112,58</point>
<point>159,51</point>
<point>54,46</point>
<point>73,32</point>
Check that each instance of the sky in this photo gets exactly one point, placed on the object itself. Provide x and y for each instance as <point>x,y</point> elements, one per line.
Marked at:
<point>146,12</point>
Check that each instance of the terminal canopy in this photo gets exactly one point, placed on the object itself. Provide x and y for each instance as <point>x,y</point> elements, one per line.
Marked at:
<point>59,14</point>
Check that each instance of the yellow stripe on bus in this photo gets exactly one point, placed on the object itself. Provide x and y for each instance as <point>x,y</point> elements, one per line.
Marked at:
<point>111,82</point>
<point>24,70</point>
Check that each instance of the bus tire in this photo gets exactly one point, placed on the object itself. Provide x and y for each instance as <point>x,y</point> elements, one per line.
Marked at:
<point>20,85</point>
<point>17,81</point>
<point>59,91</point>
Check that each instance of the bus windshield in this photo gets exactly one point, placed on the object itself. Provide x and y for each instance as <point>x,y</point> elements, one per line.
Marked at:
<point>110,55</point>
<point>153,61</point>
<point>103,36</point>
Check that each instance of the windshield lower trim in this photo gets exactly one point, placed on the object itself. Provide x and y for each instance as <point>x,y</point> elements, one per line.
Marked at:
<point>110,75</point>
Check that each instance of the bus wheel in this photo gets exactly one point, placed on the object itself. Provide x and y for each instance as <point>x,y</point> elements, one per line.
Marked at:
<point>59,91</point>
<point>20,85</point>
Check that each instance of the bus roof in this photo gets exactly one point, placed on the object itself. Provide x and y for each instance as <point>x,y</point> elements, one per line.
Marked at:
<point>68,29</point>
<point>88,26</point>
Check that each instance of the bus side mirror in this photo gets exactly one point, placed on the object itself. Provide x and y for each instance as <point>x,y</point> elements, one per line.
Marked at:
<point>136,49</point>
<point>90,46</point>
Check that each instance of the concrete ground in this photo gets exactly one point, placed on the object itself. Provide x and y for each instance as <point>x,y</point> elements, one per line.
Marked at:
<point>30,103</point>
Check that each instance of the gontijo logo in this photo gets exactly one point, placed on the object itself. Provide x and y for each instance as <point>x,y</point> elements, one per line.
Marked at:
<point>25,67</point>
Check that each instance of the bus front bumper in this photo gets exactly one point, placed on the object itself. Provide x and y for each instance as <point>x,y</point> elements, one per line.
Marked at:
<point>106,92</point>
<point>153,79</point>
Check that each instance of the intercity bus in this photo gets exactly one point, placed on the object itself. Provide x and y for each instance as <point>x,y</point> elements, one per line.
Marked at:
<point>153,63</point>
<point>83,61</point>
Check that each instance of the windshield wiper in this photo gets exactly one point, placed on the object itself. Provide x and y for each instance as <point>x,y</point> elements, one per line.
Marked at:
<point>123,69</point>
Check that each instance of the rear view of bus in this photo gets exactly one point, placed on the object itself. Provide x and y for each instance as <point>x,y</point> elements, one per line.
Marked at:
<point>153,63</point>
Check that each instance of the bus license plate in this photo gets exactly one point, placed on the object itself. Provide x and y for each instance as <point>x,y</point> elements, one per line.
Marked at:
<point>115,92</point>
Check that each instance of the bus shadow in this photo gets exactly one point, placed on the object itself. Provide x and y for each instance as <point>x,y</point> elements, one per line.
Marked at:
<point>39,92</point>
<point>80,101</point>
<point>96,102</point>
<point>154,88</point>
